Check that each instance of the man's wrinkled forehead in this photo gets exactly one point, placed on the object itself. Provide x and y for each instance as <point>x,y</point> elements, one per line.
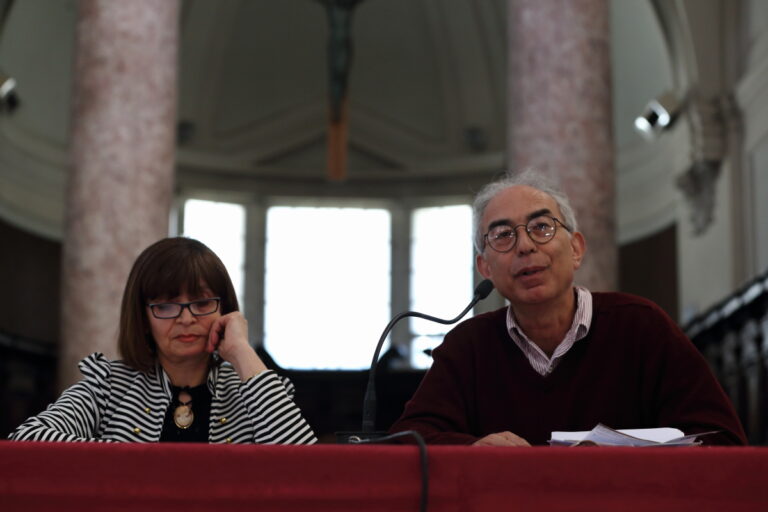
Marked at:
<point>518,205</point>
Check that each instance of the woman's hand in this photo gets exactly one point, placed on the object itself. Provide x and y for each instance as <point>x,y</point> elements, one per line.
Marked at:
<point>229,335</point>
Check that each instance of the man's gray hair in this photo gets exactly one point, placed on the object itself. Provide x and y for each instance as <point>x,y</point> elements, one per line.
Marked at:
<point>529,177</point>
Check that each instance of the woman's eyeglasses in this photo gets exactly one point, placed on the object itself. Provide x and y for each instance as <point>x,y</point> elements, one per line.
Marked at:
<point>202,307</point>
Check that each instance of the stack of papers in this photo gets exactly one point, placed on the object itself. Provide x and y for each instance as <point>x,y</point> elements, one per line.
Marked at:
<point>606,436</point>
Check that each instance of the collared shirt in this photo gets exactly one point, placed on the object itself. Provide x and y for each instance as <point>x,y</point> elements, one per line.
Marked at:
<point>540,362</point>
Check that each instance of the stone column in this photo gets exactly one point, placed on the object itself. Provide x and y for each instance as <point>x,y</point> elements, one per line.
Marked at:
<point>560,118</point>
<point>121,180</point>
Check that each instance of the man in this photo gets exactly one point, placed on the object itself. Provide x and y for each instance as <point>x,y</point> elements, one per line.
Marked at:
<point>559,358</point>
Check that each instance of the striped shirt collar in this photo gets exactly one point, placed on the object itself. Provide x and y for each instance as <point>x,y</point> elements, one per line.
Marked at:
<point>540,362</point>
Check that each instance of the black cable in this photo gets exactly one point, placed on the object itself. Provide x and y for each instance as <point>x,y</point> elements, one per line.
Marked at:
<point>369,401</point>
<point>422,458</point>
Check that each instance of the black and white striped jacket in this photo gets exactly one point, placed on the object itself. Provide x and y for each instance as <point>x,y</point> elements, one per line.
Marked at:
<point>114,402</point>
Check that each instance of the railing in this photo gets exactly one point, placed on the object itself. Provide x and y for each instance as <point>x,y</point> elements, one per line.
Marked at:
<point>733,336</point>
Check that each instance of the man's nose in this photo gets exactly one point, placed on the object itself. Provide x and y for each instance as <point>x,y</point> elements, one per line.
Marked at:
<point>525,245</point>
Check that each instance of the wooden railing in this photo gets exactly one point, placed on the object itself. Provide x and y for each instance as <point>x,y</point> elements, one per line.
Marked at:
<point>733,336</point>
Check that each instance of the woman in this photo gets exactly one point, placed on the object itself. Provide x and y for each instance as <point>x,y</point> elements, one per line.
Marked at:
<point>188,373</point>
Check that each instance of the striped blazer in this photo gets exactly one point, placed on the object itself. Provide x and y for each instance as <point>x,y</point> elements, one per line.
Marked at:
<point>116,403</point>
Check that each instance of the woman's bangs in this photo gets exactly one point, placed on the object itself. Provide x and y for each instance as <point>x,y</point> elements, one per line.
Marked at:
<point>190,276</point>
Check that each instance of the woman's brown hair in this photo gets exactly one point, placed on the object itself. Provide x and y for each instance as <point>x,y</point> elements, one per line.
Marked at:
<point>164,270</point>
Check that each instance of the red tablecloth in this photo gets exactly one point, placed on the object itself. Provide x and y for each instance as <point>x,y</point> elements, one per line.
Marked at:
<point>169,477</point>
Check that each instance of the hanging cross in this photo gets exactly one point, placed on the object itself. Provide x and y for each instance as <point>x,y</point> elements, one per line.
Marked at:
<point>339,63</point>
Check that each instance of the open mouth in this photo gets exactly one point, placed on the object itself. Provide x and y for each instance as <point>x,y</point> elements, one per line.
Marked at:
<point>529,271</point>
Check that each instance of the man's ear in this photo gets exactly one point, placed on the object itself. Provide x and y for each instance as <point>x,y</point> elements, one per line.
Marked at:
<point>482,266</point>
<point>579,247</point>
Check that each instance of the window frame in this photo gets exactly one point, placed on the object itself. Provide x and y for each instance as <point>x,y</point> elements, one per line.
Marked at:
<point>401,212</point>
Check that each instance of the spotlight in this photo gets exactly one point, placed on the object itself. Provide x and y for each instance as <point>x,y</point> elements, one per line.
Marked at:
<point>659,114</point>
<point>9,100</point>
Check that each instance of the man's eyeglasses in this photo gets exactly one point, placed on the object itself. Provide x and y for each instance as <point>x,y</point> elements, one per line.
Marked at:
<point>202,307</point>
<point>540,229</point>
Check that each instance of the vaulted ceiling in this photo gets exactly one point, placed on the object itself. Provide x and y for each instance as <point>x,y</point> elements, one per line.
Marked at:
<point>425,87</point>
<point>427,90</point>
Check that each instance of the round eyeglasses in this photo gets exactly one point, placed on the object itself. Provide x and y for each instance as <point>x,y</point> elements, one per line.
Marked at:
<point>540,230</point>
<point>202,307</point>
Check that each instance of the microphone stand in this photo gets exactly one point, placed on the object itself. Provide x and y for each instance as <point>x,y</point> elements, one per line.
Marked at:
<point>369,401</point>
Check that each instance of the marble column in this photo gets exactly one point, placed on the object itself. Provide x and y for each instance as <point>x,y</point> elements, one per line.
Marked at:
<point>121,177</point>
<point>559,115</point>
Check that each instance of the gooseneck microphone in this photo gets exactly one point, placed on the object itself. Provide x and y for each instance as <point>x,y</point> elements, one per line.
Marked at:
<point>369,402</point>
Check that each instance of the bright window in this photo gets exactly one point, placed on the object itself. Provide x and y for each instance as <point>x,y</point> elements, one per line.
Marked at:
<point>220,226</point>
<point>328,276</point>
<point>441,273</point>
<point>327,289</point>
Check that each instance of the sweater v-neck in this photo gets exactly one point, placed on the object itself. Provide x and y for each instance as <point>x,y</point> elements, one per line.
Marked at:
<point>563,371</point>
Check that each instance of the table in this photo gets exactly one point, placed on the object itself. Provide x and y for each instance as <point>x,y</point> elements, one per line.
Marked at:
<point>37,476</point>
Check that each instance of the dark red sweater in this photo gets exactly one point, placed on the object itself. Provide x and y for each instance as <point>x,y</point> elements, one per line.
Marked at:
<point>634,369</point>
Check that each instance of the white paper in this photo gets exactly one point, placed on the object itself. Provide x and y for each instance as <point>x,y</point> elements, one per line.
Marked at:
<point>659,435</point>
<point>606,436</point>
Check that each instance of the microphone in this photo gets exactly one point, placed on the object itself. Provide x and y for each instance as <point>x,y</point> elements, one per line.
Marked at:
<point>369,402</point>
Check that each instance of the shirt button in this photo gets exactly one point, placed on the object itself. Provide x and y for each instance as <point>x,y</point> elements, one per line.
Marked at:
<point>136,430</point>
<point>146,410</point>
<point>229,440</point>
<point>222,420</point>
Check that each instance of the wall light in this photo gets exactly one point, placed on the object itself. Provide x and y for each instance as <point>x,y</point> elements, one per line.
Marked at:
<point>659,114</point>
<point>9,100</point>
